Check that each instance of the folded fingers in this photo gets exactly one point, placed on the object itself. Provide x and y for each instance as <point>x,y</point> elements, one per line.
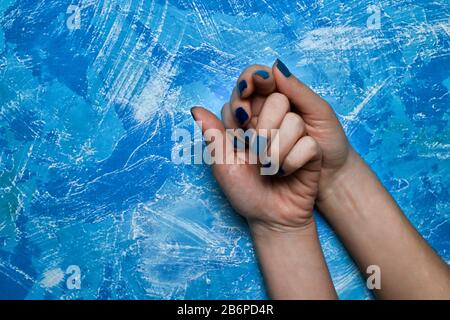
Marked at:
<point>257,79</point>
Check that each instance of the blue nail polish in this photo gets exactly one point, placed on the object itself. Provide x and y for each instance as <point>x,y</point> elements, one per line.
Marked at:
<point>262,73</point>
<point>192,113</point>
<point>241,115</point>
<point>242,86</point>
<point>267,165</point>
<point>283,69</point>
<point>281,172</point>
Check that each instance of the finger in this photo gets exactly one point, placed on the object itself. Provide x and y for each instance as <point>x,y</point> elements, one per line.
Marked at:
<point>230,122</point>
<point>292,128</point>
<point>257,102</point>
<point>273,112</point>
<point>305,100</point>
<point>305,153</point>
<point>271,116</point>
<point>253,122</point>
<point>256,79</point>
<point>255,82</point>
<point>228,119</point>
<point>228,174</point>
<point>240,109</point>
<point>215,136</point>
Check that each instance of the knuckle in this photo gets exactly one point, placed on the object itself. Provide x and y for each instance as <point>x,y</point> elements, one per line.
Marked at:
<point>279,99</point>
<point>309,142</point>
<point>248,71</point>
<point>288,164</point>
<point>295,120</point>
<point>312,145</point>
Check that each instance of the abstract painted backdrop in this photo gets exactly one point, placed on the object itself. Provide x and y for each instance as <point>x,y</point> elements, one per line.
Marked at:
<point>91,205</point>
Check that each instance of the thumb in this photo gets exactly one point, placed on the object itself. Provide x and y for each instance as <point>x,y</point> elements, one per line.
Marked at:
<point>231,171</point>
<point>308,103</point>
<point>218,143</point>
<point>207,119</point>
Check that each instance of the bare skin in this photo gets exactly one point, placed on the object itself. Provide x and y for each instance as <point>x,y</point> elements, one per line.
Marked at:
<point>341,185</point>
<point>279,209</point>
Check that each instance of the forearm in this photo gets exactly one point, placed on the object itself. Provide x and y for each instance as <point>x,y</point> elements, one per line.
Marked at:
<point>292,263</point>
<point>376,232</point>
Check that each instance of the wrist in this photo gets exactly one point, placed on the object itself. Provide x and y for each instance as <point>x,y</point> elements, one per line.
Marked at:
<point>266,231</point>
<point>354,188</point>
<point>292,261</point>
<point>332,182</point>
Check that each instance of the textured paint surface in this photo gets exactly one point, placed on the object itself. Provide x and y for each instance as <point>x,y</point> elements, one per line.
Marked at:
<point>87,114</point>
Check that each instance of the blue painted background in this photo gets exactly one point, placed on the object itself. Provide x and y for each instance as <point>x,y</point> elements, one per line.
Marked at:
<point>86,118</point>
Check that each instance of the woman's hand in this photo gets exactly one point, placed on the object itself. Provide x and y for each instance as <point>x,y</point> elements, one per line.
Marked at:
<point>355,203</point>
<point>283,202</point>
<point>278,208</point>
<point>321,123</point>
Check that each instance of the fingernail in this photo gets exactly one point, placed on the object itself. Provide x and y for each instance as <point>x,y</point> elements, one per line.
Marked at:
<point>262,73</point>
<point>283,69</point>
<point>267,165</point>
<point>241,115</point>
<point>192,112</point>
<point>280,172</point>
<point>242,86</point>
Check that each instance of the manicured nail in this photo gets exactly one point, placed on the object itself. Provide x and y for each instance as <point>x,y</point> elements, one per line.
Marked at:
<point>281,172</point>
<point>262,73</point>
<point>283,69</point>
<point>192,112</point>
<point>242,86</point>
<point>267,165</point>
<point>241,115</point>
